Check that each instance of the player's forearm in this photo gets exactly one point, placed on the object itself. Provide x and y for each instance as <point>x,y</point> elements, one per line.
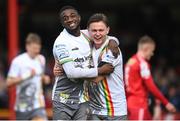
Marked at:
<point>155,91</point>
<point>73,72</point>
<point>13,81</point>
<point>46,79</point>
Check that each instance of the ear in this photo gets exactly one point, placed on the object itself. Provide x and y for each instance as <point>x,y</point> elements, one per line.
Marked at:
<point>79,18</point>
<point>108,28</point>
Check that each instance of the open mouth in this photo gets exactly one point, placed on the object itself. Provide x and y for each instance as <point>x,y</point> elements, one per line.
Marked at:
<point>98,41</point>
<point>72,25</point>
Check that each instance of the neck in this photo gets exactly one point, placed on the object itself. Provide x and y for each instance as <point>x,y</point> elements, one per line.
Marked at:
<point>75,32</point>
<point>141,54</point>
<point>31,55</point>
<point>97,46</point>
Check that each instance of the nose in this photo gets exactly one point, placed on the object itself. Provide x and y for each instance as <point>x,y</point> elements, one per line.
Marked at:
<point>97,33</point>
<point>70,19</point>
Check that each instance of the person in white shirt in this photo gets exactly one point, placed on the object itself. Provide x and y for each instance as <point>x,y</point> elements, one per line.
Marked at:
<point>26,73</point>
<point>107,93</point>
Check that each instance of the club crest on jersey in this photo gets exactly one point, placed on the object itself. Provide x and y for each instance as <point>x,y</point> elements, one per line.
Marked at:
<point>108,58</point>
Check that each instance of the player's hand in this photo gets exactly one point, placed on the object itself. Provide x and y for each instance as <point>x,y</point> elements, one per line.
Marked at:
<point>171,108</point>
<point>113,46</point>
<point>46,79</point>
<point>58,70</point>
<point>33,72</point>
<point>105,69</point>
<point>98,79</point>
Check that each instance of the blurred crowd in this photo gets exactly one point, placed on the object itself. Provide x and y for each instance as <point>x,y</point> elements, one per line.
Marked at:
<point>167,78</point>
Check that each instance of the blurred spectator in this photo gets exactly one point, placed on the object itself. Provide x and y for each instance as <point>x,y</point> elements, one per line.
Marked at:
<point>174,95</point>
<point>3,89</point>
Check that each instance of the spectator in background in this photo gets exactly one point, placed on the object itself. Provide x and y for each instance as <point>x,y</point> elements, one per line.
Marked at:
<point>174,94</point>
<point>139,82</point>
<point>27,72</point>
<point>3,88</point>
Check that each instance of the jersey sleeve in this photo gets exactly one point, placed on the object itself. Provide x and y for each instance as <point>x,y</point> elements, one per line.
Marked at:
<point>42,61</point>
<point>73,72</point>
<point>109,58</point>
<point>149,83</point>
<point>114,38</point>
<point>62,53</point>
<point>155,91</point>
<point>14,69</point>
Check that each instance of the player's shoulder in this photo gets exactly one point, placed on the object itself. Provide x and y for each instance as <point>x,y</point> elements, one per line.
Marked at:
<point>85,31</point>
<point>60,38</point>
<point>132,61</point>
<point>41,58</point>
<point>19,58</point>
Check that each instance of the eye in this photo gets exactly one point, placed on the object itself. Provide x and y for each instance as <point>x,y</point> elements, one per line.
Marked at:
<point>93,30</point>
<point>73,15</point>
<point>101,30</point>
<point>65,18</point>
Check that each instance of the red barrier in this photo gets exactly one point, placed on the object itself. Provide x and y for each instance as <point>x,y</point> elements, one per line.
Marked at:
<point>13,37</point>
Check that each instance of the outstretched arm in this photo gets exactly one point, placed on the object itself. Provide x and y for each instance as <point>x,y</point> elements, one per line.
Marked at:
<point>156,92</point>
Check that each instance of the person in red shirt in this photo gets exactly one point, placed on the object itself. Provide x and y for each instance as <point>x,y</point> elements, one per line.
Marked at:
<point>139,82</point>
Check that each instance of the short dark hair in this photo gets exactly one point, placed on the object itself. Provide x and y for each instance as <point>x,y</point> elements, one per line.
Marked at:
<point>33,38</point>
<point>65,8</point>
<point>97,17</point>
<point>146,39</point>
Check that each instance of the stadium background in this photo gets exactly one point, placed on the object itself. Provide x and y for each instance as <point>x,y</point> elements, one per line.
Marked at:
<point>129,20</point>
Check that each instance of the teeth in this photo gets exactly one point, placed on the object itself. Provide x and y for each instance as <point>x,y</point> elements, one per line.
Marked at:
<point>71,25</point>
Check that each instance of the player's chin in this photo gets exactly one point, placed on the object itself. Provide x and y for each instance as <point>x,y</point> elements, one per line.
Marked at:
<point>98,42</point>
<point>148,58</point>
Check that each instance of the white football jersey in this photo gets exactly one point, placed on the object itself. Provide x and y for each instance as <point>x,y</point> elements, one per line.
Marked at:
<point>29,93</point>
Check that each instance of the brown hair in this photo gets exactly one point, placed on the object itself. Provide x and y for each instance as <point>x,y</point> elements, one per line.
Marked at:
<point>33,38</point>
<point>97,17</point>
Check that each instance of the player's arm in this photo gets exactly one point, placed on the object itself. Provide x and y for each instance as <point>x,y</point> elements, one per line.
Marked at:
<point>10,81</point>
<point>45,78</point>
<point>73,72</point>
<point>15,77</point>
<point>113,45</point>
<point>157,93</point>
<point>16,80</point>
<point>78,72</point>
<point>107,58</point>
<point>62,55</point>
<point>149,83</point>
